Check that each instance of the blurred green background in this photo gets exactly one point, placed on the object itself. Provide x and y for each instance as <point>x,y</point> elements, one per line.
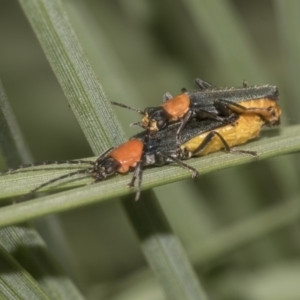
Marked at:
<point>152,47</point>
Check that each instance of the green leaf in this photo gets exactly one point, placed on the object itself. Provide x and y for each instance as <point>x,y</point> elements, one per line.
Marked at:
<point>287,142</point>
<point>30,268</point>
<point>78,81</point>
<point>12,145</point>
<point>12,272</point>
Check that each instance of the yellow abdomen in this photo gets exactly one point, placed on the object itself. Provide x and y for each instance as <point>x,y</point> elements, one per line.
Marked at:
<point>246,127</point>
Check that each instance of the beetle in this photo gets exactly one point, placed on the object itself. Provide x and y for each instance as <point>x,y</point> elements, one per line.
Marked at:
<point>120,159</point>
<point>197,138</point>
<point>208,102</point>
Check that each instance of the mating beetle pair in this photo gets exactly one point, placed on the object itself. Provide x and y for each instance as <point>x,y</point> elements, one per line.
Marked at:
<point>196,138</point>
<point>222,118</point>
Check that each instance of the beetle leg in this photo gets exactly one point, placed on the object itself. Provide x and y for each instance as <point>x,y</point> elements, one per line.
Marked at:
<point>222,106</point>
<point>184,121</point>
<point>195,173</point>
<point>184,90</point>
<point>167,96</point>
<point>237,108</point>
<point>203,114</point>
<point>140,178</point>
<point>138,173</point>
<point>203,85</point>
<point>200,114</point>
<point>227,148</point>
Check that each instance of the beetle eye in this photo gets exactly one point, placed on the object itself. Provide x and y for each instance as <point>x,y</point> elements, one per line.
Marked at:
<point>161,123</point>
<point>110,170</point>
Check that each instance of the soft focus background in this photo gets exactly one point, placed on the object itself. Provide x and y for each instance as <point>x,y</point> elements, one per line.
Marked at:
<point>151,47</point>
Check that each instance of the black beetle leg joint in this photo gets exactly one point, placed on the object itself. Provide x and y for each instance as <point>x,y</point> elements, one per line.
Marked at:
<point>178,142</point>
<point>130,185</point>
<point>254,154</point>
<point>195,174</point>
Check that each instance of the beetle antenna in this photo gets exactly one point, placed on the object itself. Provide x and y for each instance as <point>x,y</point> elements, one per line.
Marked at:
<point>46,163</point>
<point>128,107</point>
<point>84,171</point>
<point>135,124</point>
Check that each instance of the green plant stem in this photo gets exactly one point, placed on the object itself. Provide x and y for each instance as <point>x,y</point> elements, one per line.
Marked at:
<point>287,142</point>
<point>288,17</point>
<point>162,248</point>
<point>22,288</point>
<point>245,232</point>
<point>217,21</point>
<point>13,147</point>
<point>72,69</point>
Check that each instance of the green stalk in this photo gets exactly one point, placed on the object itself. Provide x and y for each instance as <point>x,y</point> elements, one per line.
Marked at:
<point>162,248</point>
<point>74,73</point>
<point>13,148</point>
